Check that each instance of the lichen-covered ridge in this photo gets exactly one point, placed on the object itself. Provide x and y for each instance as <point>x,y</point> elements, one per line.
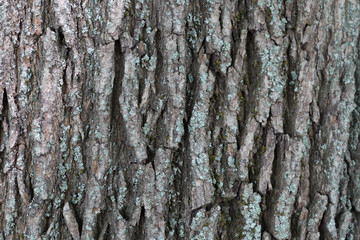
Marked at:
<point>204,119</point>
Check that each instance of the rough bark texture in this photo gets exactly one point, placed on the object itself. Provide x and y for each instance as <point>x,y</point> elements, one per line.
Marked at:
<point>180,119</point>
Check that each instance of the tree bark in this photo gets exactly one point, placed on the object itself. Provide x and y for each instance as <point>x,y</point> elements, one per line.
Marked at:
<point>180,119</point>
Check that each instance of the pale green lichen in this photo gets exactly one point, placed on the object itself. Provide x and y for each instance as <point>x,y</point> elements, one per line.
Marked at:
<point>251,212</point>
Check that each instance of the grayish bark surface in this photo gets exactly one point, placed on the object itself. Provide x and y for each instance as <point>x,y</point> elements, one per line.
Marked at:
<point>180,119</point>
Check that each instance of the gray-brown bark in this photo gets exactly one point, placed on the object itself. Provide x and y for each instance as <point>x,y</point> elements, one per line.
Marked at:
<point>205,119</point>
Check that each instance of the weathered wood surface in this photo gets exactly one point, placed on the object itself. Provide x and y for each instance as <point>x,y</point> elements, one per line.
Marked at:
<point>180,119</point>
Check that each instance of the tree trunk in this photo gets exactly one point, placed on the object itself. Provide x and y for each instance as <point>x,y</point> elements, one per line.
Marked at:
<point>180,119</point>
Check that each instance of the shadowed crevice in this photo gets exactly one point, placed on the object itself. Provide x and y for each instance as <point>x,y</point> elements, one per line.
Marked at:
<point>289,96</point>
<point>119,66</point>
<point>3,132</point>
<point>159,70</point>
<point>139,231</point>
